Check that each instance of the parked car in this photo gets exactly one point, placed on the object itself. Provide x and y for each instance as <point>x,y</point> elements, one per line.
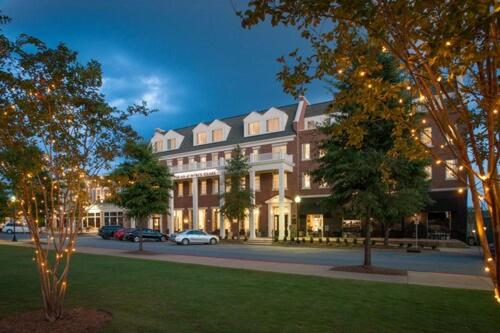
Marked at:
<point>108,231</point>
<point>120,233</point>
<point>20,228</point>
<point>147,234</point>
<point>195,237</point>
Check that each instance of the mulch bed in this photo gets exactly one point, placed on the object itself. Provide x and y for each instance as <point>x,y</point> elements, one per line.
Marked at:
<point>76,320</point>
<point>370,270</point>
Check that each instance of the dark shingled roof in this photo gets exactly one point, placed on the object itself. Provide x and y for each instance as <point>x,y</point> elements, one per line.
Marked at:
<point>236,134</point>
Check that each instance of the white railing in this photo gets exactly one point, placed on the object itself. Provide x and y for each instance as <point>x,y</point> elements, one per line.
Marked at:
<point>253,158</point>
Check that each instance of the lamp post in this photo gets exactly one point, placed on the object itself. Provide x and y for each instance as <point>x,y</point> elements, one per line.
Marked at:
<point>416,220</point>
<point>13,201</point>
<point>297,200</point>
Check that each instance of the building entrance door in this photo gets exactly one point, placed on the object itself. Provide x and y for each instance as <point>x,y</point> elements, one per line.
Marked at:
<point>276,229</point>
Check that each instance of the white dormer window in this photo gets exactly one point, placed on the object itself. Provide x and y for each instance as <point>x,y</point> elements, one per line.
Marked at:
<point>201,138</point>
<point>217,135</point>
<point>254,128</point>
<point>171,144</point>
<point>273,125</point>
<point>157,146</point>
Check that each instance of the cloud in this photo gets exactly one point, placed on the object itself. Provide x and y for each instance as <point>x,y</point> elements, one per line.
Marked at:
<point>126,83</point>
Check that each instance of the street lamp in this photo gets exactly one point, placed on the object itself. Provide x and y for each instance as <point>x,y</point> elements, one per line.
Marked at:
<point>297,200</point>
<point>416,220</point>
<point>13,201</point>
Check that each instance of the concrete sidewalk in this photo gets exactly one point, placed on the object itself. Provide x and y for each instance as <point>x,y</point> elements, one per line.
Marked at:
<point>413,277</point>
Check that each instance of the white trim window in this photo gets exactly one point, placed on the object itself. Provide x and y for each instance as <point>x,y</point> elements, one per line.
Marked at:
<point>203,187</point>
<point>276,179</point>
<point>306,151</point>
<point>254,128</point>
<point>257,183</point>
<point>215,186</point>
<point>217,135</point>
<point>426,136</point>
<point>428,171</point>
<point>306,180</point>
<point>180,189</point>
<point>190,193</point>
<point>180,161</point>
<point>201,138</point>
<point>157,146</point>
<point>227,155</point>
<point>171,144</point>
<point>451,169</point>
<point>273,125</point>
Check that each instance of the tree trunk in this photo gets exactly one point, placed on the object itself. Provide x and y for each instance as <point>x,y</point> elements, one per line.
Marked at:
<point>387,231</point>
<point>368,245</point>
<point>238,236</point>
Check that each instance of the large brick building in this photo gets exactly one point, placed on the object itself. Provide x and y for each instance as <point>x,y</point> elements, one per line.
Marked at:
<point>282,147</point>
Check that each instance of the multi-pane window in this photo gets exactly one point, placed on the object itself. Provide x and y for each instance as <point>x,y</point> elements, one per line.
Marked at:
<point>203,160</point>
<point>451,169</point>
<point>273,124</point>
<point>428,171</point>
<point>190,188</point>
<point>306,180</point>
<point>276,181</point>
<point>311,124</point>
<point>257,183</point>
<point>180,189</point>
<point>113,218</point>
<point>254,128</point>
<point>203,187</point>
<point>169,163</point>
<point>306,151</point>
<point>217,135</point>
<point>180,161</point>
<point>279,149</point>
<point>227,155</point>
<point>201,138</point>
<point>426,136</point>
<point>191,160</point>
<point>215,186</point>
<point>171,144</point>
<point>93,220</point>
<point>157,146</point>
<point>215,157</point>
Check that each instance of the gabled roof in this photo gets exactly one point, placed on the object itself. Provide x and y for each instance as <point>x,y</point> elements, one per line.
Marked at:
<point>236,135</point>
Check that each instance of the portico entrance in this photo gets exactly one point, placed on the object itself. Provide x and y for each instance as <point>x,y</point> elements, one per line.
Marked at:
<point>277,228</point>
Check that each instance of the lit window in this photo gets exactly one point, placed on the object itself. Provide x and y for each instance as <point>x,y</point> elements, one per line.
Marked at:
<point>201,138</point>
<point>254,128</point>
<point>217,135</point>
<point>306,151</point>
<point>215,157</point>
<point>311,124</point>
<point>190,188</point>
<point>215,186</point>
<point>428,171</point>
<point>180,161</point>
<point>169,163</point>
<point>227,155</point>
<point>191,160</point>
<point>228,186</point>
<point>279,149</point>
<point>451,169</point>
<point>306,180</point>
<point>273,125</point>
<point>243,182</point>
<point>171,144</point>
<point>180,189</point>
<point>257,183</point>
<point>426,136</point>
<point>276,182</point>
<point>157,146</point>
<point>203,188</point>
<point>203,161</point>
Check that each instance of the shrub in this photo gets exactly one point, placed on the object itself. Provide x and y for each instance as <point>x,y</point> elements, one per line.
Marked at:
<point>245,239</point>
<point>434,246</point>
<point>355,241</point>
<point>346,241</point>
<point>401,244</point>
<point>327,240</point>
<point>311,240</point>
<point>298,240</point>
<point>275,238</point>
<point>374,242</point>
<point>409,245</point>
<point>338,240</point>
<point>320,240</point>
<point>292,239</point>
<point>303,240</point>
<point>284,239</point>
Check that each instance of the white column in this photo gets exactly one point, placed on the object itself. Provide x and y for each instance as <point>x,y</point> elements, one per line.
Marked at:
<point>251,215</point>
<point>195,202</point>
<point>171,210</point>
<point>281,181</point>
<point>222,189</point>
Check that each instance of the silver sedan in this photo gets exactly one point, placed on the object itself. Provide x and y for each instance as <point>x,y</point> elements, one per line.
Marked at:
<point>195,237</point>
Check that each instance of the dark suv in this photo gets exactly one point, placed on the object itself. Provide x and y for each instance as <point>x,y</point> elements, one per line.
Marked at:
<point>108,231</point>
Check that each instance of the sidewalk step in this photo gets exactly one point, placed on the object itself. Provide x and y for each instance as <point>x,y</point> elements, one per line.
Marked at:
<point>260,241</point>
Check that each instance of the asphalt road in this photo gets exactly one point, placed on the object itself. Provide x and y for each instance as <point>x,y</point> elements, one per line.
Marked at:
<point>458,261</point>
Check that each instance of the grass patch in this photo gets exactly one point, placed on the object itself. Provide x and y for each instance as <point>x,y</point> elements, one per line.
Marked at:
<point>151,296</point>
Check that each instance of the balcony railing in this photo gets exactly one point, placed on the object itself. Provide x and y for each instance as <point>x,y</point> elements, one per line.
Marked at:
<point>219,164</point>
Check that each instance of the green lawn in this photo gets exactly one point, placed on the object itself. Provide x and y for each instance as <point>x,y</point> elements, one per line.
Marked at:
<point>147,296</point>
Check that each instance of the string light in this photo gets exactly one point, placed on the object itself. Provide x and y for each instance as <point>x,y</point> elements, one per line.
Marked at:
<point>495,111</point>
<point>384,49</point>
<point>424,121</point>
<point>421,98</point>
<point>340,71</point>
<point>486,269</point>
<point>362,73</point>
<point>400,101</point>
<point>370,85</point>
<point>438,162</point>
<point>439,79</point>
<point>490,259</point>
<point>461,167</point>
<point>460,190</point>
<point>448,43</point>
<point>408,88</point>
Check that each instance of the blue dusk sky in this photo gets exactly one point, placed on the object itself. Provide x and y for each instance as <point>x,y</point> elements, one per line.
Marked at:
<point>190,59</point>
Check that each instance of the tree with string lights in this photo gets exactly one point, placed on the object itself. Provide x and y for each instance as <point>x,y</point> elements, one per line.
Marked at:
<point>56,131</point>
<point>449,50</point>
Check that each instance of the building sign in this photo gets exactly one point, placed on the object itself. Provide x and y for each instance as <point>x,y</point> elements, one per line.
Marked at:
<point>192,174</point>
